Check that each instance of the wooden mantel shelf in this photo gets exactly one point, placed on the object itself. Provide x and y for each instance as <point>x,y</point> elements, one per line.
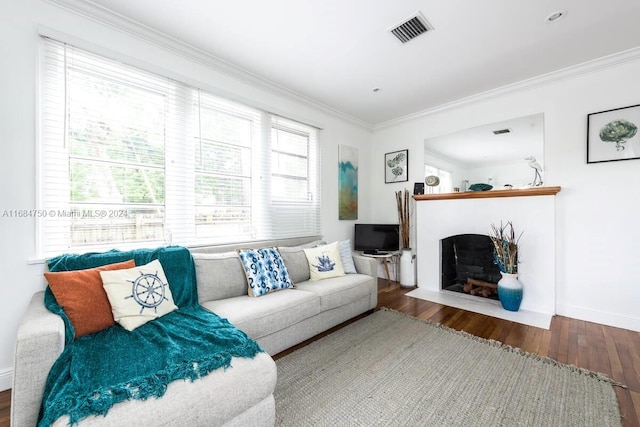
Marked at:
<point>535,191</point>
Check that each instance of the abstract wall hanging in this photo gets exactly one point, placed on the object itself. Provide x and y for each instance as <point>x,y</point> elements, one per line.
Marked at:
<point>347,182</point>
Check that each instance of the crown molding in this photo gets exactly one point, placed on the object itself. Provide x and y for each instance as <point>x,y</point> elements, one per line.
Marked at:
<point>598,64</point>
<point>128,26</point>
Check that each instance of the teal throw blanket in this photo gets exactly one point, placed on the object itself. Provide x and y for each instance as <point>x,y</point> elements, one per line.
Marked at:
<point>96,371</point>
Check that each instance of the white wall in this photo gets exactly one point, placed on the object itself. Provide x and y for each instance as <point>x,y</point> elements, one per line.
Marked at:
<point>20,21</point>
<point>598,233</point>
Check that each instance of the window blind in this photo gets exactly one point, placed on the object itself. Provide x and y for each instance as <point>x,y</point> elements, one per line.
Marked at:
<point>128,159</point>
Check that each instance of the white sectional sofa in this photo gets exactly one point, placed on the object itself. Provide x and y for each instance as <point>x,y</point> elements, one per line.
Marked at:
<point>282,319</point>
<point>239,396</point>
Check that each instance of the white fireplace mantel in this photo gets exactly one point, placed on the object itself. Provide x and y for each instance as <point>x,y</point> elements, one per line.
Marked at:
<point>442,215</point>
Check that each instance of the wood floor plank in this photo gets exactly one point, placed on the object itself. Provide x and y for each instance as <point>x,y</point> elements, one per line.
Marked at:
<point>572,343</point>
<point>583,347</point>
<point>563,348</point>
<point>628,358</point>
<point>5,408</point>
<point>617,372</point>
<point>598,349</point>
<point>531,342</point>
<point>501,331</point>
<point>545,343</point>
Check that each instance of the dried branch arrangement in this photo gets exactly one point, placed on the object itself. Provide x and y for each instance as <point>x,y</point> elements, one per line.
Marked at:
<point>505,247</point>
<point>402,198</point>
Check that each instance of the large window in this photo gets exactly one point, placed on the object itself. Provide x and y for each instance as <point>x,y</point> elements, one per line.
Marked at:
<point>129,158</point>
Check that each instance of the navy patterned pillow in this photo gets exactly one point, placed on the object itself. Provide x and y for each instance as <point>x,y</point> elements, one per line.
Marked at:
<point>265,271</point>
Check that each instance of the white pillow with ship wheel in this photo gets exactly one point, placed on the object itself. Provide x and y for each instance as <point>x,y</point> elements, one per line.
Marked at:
<point>138,295</point>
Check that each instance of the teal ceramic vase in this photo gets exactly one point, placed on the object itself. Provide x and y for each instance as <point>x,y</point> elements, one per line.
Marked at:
<point>510,291</point>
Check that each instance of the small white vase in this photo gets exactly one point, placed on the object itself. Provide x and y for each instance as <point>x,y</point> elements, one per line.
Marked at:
<point>510,291</point>
<point>407,269</point>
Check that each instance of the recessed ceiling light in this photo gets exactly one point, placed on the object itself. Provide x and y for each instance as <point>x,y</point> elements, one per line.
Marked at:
<point>555,16</point>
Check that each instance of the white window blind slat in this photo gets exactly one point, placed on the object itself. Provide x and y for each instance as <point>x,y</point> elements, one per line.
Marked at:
<point>130,159</point>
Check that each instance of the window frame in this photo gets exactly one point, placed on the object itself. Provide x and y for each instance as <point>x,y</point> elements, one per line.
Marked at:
<point>264,209</point>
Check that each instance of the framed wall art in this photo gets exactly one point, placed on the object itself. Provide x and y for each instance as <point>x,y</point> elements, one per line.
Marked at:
<point>613,135</point>
<point>347,182</point>
<point>396,166</point>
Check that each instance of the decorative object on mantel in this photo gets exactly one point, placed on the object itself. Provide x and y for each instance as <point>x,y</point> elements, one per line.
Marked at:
<point>480,187</point>
<point>505,254</point>
<point>407,265</point>
<point>613,135</point>
<point>537,178</point>
<point>396,166</point>
<point>418,188</point>
<point>432,181</point>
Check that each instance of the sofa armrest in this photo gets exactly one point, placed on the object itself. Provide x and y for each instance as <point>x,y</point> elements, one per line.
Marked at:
<point>39,342</point>
<point>366,265</point>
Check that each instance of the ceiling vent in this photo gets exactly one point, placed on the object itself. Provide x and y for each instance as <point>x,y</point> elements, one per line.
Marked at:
<point>411,28</point>
<point>501,131</point>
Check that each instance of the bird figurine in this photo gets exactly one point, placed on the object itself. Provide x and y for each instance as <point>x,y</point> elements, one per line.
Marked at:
<point>537,178</point>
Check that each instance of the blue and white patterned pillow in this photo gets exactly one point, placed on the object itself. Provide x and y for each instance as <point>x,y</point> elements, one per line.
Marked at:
<point>265,271</point>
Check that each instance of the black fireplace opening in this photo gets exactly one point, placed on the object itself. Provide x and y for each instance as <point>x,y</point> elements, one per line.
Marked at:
<point>468,256</point>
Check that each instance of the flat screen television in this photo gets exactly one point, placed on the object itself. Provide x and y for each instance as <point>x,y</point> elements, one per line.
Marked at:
<point>377,238</point>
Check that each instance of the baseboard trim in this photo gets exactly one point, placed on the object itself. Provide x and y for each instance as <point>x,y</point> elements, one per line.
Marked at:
<point>601,317</point>
<point>6,379</point>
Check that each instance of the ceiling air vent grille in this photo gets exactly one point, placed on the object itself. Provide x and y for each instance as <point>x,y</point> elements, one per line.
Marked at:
<point>501,131</point>
<point>411,28</point>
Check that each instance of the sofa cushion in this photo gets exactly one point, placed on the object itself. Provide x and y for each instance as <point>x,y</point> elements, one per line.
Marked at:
<point>340,291</point>
<point>138,295</point>
<point>270,313</point>
<point>296,261</point>
<point>82,297</point>
<point>219,276</point>
<point>265,271</point>
<point>324,261</point>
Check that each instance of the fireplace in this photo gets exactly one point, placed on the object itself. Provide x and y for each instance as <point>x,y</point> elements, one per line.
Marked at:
<point>439,216</point>
<point>464,257</point>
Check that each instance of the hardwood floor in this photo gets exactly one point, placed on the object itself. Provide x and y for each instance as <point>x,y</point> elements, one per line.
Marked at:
<point>612,351</point>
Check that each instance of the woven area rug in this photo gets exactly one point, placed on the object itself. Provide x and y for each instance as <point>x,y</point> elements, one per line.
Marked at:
<point>390,369</point>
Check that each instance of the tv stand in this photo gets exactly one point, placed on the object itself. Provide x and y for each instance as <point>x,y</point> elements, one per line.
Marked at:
<point>384,257</point>
<point>376,252</point>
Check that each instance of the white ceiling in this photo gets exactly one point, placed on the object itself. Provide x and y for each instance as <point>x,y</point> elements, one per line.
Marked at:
<point>336,51</point>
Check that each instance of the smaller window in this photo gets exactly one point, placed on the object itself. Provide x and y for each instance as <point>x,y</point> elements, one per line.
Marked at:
<point>223,153</point>
<point>289,164</point>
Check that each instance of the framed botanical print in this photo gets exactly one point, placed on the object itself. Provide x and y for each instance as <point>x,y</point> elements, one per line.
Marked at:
<point>613,135</point>
<point>396,166</point>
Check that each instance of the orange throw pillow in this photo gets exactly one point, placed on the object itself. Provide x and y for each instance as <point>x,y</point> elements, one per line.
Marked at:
<point>82,297</point>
